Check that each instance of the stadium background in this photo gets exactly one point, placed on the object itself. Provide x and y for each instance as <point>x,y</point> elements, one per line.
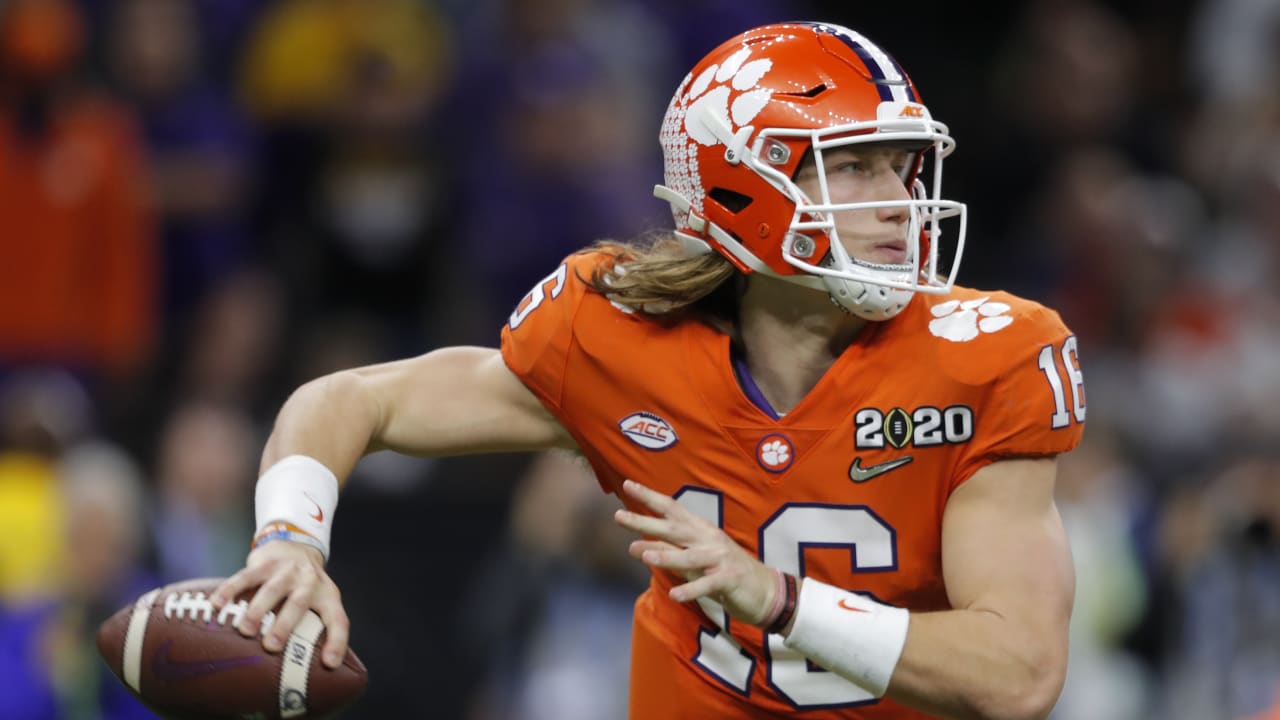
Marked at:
<point>204,203</point>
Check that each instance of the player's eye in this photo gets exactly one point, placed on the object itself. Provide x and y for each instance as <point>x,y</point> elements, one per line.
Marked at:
<point>852,167</point>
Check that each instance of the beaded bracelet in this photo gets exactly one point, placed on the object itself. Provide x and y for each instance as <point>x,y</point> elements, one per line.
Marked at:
<point>286,531</point>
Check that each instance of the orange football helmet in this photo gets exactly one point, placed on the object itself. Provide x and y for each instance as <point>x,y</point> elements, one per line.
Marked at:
<point>741,122</point>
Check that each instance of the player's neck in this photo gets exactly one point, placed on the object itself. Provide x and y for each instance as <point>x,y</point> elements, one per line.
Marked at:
<point>790,336</point>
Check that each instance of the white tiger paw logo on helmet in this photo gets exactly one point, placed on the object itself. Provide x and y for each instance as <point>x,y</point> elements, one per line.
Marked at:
<point>710,110</point>
<point>963,321</point>
<point>735,74</point>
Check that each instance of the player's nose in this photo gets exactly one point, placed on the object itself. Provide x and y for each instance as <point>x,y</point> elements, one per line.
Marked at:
<point>891,188</point>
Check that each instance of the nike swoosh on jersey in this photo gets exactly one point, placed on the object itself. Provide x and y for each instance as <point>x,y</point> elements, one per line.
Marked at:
<point>165,668</point>
<point>860,474</point>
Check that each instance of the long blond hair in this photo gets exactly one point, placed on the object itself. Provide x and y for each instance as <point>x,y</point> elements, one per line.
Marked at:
<point>655,275</point>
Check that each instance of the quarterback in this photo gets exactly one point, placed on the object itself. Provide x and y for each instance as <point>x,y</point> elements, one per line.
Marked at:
<point>839,464</point>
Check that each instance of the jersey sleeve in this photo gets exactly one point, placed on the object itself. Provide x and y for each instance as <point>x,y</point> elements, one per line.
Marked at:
<point>539,337</point>
<point>540,342</point>
<point>1034,403</point>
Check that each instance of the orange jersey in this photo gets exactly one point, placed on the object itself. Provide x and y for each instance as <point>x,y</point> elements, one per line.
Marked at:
<point>848,487</point>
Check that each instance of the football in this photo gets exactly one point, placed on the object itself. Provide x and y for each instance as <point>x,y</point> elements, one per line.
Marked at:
<point>186,661</point>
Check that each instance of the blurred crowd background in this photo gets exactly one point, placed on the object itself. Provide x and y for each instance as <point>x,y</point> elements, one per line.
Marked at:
<point>204,203</point>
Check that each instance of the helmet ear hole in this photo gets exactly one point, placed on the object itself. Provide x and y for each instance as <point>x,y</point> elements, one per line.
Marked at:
<point>734,202</point>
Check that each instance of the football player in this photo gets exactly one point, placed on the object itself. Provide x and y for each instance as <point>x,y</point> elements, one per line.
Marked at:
<point>840,463</point>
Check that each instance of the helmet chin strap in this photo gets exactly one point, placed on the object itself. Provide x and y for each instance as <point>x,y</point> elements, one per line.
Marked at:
<point>865,300</point>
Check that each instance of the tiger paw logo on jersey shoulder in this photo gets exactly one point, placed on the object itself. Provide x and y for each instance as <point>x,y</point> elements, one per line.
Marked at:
<point>775,453</point>
<point>963,321</point>
<point>925,426</point>
<point>648,431</point>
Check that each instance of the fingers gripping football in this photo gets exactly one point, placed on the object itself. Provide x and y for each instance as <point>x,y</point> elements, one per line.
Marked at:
<point>714,565</point>
<point>290,579</point>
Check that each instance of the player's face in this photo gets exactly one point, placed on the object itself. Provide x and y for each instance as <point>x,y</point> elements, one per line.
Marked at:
<point>865,173</point>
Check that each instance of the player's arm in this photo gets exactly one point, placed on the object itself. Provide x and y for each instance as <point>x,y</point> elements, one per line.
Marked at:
<point>447,402</point>
<point>1002,651</point>
<point>451,401</point>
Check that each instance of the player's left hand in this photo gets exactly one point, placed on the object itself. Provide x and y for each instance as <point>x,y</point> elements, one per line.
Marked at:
<point>709,559</point>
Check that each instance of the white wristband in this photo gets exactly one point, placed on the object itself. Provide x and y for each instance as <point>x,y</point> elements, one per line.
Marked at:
<point>849,634</point>
<point>301,491</point>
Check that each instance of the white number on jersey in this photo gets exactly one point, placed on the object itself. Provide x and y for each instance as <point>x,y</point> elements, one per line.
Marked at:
<point>872,545</point>
<point>538,294</point>
<point>1071,363</point>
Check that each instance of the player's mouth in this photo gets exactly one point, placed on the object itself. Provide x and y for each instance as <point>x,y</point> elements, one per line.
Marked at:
<point>892,252</point>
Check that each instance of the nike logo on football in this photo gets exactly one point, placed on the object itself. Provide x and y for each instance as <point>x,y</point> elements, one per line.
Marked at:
<point>860,474</point>
<point>166,669</point>
<point>318,515</point>
<point>850,607</point>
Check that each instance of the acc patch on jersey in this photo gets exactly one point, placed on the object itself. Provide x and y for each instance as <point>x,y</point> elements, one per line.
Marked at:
<point>648,431</point>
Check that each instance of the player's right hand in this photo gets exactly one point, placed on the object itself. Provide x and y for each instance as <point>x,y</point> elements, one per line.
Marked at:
<point>715,566</point>
<point>293,574</point>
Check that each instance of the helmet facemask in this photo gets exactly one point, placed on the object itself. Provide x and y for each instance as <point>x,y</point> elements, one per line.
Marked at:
<point>870,290</point>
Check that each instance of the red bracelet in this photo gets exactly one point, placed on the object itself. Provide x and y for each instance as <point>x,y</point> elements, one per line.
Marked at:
<point>788,604</point>
<point>779,597</point>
